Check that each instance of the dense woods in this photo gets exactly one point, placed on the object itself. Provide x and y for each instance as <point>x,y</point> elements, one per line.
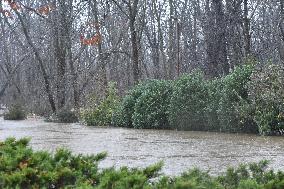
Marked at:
<point>55,53</point>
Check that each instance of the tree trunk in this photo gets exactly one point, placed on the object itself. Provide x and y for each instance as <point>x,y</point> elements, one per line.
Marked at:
<point>102,67</point>
<point>47,84</point>
<point>221,36</point>
<point>171,51</point>
<point>60,55</point>
<point>178,34</point>
<point>281,24</point>
<point>246,30</point>
<point>134,41</point>
<point>161,44</point>
<point>216,40</point>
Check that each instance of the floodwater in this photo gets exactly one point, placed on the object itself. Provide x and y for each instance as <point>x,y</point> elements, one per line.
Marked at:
<point>138,148</point>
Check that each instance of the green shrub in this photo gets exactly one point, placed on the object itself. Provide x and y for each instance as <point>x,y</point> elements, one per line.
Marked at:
<point>212,108</point>
<point>213,105</point>
<point>249,184</point>
<point>233,96</point>
<point>188,103</point>
<point>151,107</point>
<point>101,114</point>
<point>246,100</point>
<point>194,179</point>
<point>266,92</point>
<point>253,175</point>
<point>123,115</point>
<point>16,112</point>
<point>23,168</point>
<point>128,178</point>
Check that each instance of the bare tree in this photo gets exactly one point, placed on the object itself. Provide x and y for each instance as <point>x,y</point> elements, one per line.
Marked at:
<point>131,13</point>
<point>50,57</point>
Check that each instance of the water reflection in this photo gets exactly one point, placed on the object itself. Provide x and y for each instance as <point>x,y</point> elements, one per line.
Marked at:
<point>139,148</point>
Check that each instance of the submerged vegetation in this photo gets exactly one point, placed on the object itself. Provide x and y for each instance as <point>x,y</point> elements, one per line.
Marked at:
<point>100,113</point>
<point>266,95</point>
<point>190,103</point>
<point>15,112</point>
<point>187,107</point>
<point>250,99</point>
<point>67,116</point>
<point>21,167</point>
<point>63,116</point>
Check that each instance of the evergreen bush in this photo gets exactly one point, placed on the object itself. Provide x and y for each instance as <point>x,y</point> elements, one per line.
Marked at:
<point>23,168</point>
<point>247,100</point>
<point>151,107</point>
<point>266,92</point>
<point>123,115</point>
<point>233,96</point>
<point>125,111</point>
<point>187,109</point>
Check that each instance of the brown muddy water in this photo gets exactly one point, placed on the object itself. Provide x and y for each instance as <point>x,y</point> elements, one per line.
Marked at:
<point>138,148</point>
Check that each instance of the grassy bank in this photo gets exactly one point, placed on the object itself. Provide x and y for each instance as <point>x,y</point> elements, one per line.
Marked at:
<point>21,167</point>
